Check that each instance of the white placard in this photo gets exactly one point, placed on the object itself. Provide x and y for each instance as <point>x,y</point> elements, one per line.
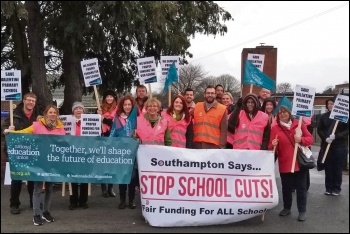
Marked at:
<point>91,72</point>
<point>7,180</point>
<point>188,187</point>
<point>11,85</point>
<point>165,63</point>
<point>340,109</point>
<point>69,124</point>
<point>303,101</point>
<point>90,125</point>
<point>147,70</point>
<point>257,60</point>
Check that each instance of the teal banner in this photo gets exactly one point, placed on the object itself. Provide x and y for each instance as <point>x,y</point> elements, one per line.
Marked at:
<point>79,159</point>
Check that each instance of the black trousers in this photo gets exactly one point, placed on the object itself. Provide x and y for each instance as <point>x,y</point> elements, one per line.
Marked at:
<point>130,187</point>
<point>297,180</point>
<point>79,198</point>
<point>16,188</point>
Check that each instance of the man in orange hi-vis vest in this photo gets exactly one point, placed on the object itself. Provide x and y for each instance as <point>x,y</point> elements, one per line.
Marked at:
<point>210,122</point>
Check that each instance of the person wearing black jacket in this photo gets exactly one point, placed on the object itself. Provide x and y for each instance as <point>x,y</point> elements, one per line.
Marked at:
<point>337,150</point>
<point>23,116</point>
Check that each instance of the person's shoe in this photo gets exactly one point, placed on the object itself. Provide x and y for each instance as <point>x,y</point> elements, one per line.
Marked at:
<point>14,210</point>
<point>105,193</point>
<point>72,206</point>
<point>47,217</point>
<point>122,205</point>
<point>335,193</point>
<point>132,205</point>
<point>327,193</point>
<point>37,220</point>
<point>302,216</point>
<point>84,206</point>
<point>111,193</point>
<point>285,212</point>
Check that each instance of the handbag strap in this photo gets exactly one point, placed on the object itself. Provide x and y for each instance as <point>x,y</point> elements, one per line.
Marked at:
<point>287,136</point>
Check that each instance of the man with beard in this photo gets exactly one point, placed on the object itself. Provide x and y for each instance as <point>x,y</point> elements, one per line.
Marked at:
<point>189,96</point>
<point>219,90</point>
<point>141,97</point>
<point>23,116</point>
<point>210,122</point>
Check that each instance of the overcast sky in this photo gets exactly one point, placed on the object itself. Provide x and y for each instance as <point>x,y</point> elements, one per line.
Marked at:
<point>312,39</point>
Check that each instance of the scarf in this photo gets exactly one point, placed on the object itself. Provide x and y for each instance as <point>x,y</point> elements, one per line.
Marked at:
<point>50,124</point>
<point>287,125</point>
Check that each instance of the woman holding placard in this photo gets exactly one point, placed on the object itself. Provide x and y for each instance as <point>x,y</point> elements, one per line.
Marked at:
<point>108,110</point>
<point>283,137</point>
<point>48,124</point>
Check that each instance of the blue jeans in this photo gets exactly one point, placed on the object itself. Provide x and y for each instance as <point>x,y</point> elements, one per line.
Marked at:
<point>333,169</point>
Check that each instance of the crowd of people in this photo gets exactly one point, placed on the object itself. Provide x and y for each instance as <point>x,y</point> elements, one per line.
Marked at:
<point>219,122</point>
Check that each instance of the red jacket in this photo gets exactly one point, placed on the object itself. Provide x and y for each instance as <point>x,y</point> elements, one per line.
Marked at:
<point>285,149</point>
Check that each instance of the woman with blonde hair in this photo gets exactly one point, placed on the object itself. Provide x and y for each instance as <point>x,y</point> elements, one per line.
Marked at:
<point>152,128</point>
<point>48,124</point>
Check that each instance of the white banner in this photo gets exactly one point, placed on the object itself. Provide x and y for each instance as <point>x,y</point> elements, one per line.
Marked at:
<point>165,62</point>
<point>90,125</point>
<point>189,187</point>
<point>303,101</point>
<point>69,124</point>
<point>11,85</point>
<point>91,72</point>
<point>257,60</point>
<point>340,109</point>
<point>147,70</point>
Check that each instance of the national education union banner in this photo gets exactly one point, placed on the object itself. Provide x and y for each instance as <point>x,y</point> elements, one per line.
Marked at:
<point>197,187</point>
<point>78,159</point>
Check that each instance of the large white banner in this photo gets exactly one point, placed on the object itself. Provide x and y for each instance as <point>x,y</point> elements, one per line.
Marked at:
<point>340,109</point>
<point>189,187</point>
<point>257,60</point>
<point>303,101</point>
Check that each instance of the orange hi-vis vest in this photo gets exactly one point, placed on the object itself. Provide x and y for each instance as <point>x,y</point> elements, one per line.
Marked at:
<point>206,126</point>
<point>229,138</point>
<point>249,133</point>
<point>149,135</point>
<point>177,131</point>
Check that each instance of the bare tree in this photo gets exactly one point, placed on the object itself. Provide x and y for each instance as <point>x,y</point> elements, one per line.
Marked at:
<point>230,84</point>
<point>190,77</point>
<point>329,90</point>
<point>284,88</point>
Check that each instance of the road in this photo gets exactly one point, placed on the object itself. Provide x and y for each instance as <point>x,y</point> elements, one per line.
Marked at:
<point>325,214</point>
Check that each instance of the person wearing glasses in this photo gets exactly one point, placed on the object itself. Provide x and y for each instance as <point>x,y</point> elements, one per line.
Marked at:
<point>249,125</point>
<point>210,122</point>
<point>48,124</point>
<point>23,116</point>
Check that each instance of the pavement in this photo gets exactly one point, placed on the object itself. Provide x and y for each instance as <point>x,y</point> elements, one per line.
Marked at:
<point>325,214</point>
